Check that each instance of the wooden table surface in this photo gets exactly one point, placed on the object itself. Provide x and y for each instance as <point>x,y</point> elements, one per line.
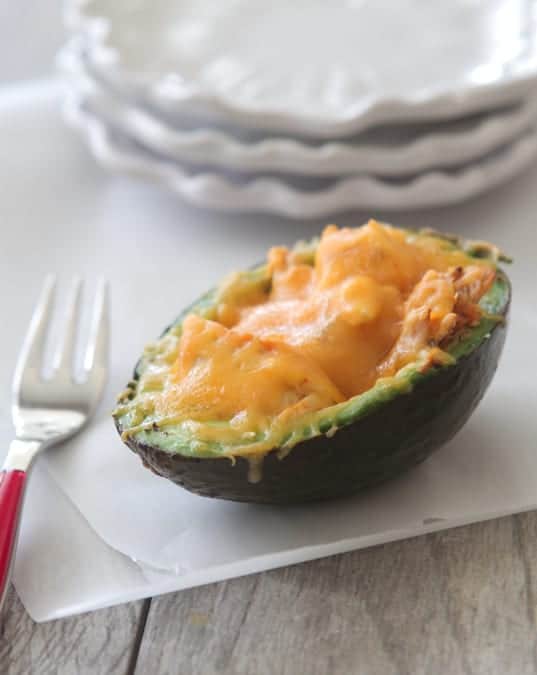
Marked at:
<point>459,601</point>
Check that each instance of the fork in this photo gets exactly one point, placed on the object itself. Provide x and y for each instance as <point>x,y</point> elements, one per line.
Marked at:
<point>47,411</point>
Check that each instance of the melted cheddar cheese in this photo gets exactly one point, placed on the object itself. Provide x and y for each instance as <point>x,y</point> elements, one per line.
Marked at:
<point>365,303</point>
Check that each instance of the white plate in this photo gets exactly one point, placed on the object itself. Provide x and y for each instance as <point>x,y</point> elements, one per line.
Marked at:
<point>157,255</point>
<point>296,197</point>
<point>395,151</point>
<point>323,68</point>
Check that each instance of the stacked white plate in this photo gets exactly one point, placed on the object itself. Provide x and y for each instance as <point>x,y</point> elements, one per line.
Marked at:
<point>307,108</point>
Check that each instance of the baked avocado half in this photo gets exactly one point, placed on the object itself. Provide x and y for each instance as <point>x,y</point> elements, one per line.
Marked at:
<point>331,367</point>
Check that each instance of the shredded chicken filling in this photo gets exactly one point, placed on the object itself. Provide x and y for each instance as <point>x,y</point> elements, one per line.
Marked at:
<point>371,301</point>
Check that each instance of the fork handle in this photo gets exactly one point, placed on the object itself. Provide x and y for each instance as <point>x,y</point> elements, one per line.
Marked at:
<point>11,495</point>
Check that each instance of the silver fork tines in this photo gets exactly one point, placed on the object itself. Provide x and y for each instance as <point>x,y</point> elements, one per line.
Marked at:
<point>52,409</point>
<point>64,356</point>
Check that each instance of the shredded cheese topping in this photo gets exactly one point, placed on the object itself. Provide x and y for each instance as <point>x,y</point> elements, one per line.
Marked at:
<point>326,327</point>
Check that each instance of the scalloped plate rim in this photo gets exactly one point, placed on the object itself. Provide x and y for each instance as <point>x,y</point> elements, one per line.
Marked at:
<point>430,105</point>
<point>273,195</point>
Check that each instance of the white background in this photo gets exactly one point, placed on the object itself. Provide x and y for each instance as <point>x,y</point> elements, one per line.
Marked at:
<point>30,34</point>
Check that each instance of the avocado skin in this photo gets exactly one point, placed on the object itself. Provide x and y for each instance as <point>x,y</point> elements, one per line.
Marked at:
<point>364,453</point>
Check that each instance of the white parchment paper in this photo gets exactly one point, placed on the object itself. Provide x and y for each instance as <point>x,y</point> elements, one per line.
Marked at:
<point>66,215</point>
<point>490,466</point>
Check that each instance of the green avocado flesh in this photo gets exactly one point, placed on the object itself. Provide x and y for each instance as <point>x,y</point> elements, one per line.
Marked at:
<point>342,449</point>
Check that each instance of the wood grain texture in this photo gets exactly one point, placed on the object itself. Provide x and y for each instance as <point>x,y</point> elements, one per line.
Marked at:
<point>456,602</point>
<point>99,643</point>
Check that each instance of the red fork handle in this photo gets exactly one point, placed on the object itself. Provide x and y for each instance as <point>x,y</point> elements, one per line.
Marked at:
<point>11,495</point>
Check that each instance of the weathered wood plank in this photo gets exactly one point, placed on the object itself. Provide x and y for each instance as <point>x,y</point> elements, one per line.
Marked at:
<point>97,643</point>
<point>461,601</point>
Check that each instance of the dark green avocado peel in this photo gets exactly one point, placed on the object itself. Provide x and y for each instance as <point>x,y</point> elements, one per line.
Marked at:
<point>354,445</point>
